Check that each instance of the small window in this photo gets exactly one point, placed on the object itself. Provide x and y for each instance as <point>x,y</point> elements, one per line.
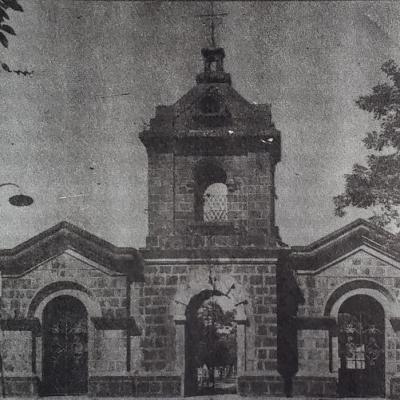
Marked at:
<point>215,202</point>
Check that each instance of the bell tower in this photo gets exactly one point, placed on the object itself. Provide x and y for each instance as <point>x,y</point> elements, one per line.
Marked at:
<point>212,233</point>
<point>211,166</point>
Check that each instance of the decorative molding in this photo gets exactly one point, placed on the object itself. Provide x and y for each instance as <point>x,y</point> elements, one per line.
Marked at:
<point>215,145</point>
<point>214,228</point>
<point>364,248</point>
<point>21,324</point>
<point>62,237</point>
<point>111,324</point>
<point>53,288</point>
<point>357,284</point>
<point>315,257</point>
<point>216,254</point>
<point>316,323</point>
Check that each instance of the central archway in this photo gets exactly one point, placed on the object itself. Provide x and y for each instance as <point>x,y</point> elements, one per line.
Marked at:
<point>361,322</point>
<point>65,347</point>
<point>211,345</point>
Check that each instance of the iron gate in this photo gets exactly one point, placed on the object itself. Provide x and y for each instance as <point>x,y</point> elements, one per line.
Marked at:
<point>65,355</point>
<point>361,348</point>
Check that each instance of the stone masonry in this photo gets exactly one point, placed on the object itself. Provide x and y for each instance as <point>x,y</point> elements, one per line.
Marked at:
<point>134,310</point>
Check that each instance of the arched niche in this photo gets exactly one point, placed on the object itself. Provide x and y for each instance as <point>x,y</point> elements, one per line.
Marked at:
<point>348,290</point>
<point>43,297</point>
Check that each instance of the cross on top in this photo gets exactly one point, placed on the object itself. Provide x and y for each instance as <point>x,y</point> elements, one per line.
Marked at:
<point>212,17</point>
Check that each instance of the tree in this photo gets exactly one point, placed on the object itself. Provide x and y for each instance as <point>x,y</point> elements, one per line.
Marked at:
<point>376,185</point>
<point>5,5</point>
<point>216,341</point>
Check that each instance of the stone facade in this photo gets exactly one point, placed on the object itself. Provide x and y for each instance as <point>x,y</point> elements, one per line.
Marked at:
<point>104,290</point>
<point>190,148</point>
<point>172,221</point>
<point>212,135</point>
<point>365,269</point>
<point>169,288</point>
<point>130,331</point>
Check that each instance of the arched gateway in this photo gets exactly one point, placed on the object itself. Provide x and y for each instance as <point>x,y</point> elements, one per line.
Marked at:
<point>65,347</point>
<point>211,345</point>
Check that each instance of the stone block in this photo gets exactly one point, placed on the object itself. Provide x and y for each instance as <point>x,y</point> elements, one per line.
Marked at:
<point>172,280</point>
<point>260,386</point>
<point>262,354</point>
<point>262,330</point>
<point>21,386</point>
<point>314,386</point>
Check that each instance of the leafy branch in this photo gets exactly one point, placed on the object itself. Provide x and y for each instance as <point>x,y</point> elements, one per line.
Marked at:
<point>6,5</point>
<point>376,185</point>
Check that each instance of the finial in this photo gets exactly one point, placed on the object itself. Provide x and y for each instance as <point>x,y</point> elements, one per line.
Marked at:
<point>213,18</point>
<point>213,56</point>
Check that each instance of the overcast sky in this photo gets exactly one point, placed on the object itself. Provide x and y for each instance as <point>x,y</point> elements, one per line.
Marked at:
<point>69,133</point>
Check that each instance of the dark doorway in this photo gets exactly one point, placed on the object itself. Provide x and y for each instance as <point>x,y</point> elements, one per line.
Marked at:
<point>65,342</point>
<point>211,349</point>
<point>361,348</point>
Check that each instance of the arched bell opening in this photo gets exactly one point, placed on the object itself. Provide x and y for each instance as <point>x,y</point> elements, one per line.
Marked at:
<point>210,345</point>
<point>361,321</point>
<point>210,192</point>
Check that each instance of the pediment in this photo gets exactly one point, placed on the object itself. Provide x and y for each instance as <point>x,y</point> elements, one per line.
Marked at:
<point>72,259</point>
<point>362,262</point>
<point>67,239</point>
<point>359,243</point>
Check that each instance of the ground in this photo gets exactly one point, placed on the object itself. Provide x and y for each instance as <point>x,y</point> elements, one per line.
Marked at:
<point>218,397</point>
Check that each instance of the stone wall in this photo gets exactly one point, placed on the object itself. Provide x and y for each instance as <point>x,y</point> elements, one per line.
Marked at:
<point>158,306</point>
<point>109,291</point>
<point>16,351</point>
<point>170,286</point>
<point>23,295</point>
<point>160,193</point>
<point>320,288</point>
<point>260,386</point>
<point>313,350</point>
<point>314,386</point>
<point>109,356</point>
<point>172,200</point>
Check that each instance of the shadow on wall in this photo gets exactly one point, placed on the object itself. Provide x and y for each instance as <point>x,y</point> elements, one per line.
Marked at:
<point>289,297</point>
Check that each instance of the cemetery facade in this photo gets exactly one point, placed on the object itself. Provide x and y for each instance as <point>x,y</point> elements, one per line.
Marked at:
<point>216,302</point>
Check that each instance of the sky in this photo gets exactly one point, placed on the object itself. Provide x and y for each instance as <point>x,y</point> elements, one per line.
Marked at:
<point>69,133</point>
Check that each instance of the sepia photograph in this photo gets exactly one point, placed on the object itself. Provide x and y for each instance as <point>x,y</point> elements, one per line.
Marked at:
<point>199,199</point>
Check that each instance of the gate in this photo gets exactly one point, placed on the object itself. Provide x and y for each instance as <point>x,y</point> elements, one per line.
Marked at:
<point>211,346</point>
<point>361,348</point>
<point>65,355</point>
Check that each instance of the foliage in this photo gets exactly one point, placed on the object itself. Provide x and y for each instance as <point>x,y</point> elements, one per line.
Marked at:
<point>6,5</point>
<point>216,341</point>
<point>376,185</point>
